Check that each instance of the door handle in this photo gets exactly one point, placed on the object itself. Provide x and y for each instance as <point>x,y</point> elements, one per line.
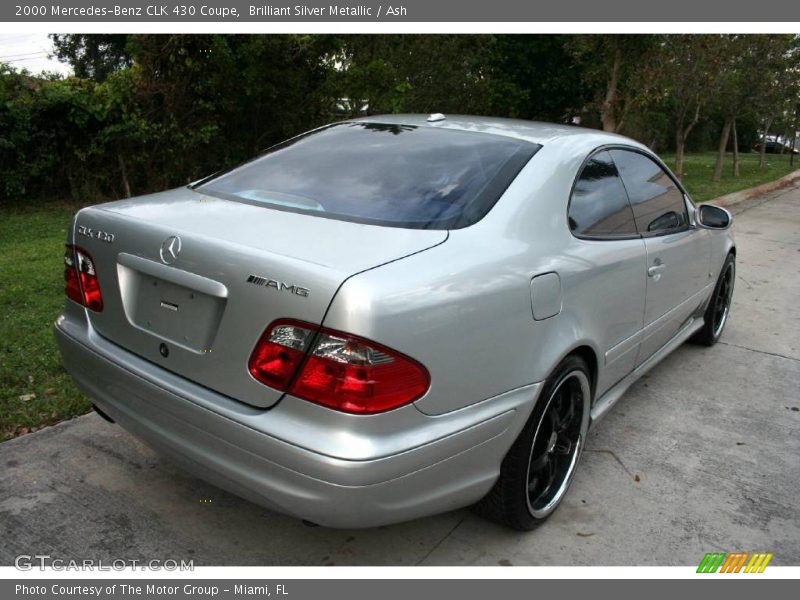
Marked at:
<point>654,271</point>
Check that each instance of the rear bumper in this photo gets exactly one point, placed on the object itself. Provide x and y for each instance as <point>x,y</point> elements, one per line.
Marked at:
<point>298,458</point>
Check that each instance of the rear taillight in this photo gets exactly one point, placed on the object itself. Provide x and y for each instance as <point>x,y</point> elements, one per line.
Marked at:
<point>72,283</point>
<point>341,371</point>
<point>80,279</point>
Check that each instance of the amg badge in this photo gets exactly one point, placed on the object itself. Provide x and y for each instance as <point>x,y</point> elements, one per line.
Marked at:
<point>279,285</point>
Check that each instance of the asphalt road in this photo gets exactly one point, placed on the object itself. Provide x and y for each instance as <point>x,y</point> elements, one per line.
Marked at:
<point>701,455</point>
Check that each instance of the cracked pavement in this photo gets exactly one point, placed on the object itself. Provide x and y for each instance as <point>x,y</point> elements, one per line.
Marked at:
<point>703,454</point>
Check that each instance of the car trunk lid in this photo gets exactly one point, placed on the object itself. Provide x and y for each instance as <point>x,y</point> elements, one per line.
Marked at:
<point>190,281</point>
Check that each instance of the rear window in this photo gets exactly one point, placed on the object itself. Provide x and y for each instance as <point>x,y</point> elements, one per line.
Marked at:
<point>386,174</point>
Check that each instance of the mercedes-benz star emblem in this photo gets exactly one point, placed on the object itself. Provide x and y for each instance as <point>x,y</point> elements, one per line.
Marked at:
<point>170,248</point>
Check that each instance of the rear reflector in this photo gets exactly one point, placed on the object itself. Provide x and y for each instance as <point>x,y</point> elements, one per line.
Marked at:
<point>80,279</point>
<point>342,371</point>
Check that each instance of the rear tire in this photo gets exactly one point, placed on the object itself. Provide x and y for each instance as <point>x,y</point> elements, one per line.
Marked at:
<point>719,306</point>
<point>539,467</point>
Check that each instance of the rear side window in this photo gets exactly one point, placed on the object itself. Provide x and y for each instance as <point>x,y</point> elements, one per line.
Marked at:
<point>386,174</point>
<point>599,206</point>
<point>658,204</point>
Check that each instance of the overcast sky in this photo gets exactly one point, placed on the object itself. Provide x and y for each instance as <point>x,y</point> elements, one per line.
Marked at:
<point>30,51</point>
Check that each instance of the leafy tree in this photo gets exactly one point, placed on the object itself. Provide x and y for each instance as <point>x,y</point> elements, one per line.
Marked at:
<point>192,104</point>
<point>685,68</point>
<point>536,77</point>
<point>737,66</point>
<point>777,82</point>
<point>93,56</point>
<point>376,74</point>
<point>615,69</point>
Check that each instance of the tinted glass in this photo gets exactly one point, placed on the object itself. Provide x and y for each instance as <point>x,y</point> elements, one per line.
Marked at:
<point>658,204</point>
<point>599,206</point>
<point>399,175</point>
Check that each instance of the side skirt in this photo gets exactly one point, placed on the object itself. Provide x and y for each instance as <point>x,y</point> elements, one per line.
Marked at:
<point>610,398</point>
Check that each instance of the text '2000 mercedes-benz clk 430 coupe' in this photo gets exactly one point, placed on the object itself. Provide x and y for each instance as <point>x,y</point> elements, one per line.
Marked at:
<point>394,316</point>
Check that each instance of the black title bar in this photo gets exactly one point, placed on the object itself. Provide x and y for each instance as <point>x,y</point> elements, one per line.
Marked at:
<point>245,11</point>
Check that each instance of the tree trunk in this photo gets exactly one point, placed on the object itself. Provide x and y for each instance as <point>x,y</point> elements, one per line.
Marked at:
<point>607,111</point>
<point>735,150</point>
<point>126,186</point>
<point>681,133</point>
<point>723,145</point>
<point>762,159</point>
<point>622,114</point>
<point>680,142</point>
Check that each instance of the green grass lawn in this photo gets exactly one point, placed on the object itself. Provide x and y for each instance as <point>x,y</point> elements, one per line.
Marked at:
<point>34,388</point>
<point>698,169</point>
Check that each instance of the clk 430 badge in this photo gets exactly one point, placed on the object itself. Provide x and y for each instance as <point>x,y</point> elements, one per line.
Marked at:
<point>96,234</point>
<point>279,285</point>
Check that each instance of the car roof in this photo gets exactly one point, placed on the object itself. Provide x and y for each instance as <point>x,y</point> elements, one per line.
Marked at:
<point>531,131</point>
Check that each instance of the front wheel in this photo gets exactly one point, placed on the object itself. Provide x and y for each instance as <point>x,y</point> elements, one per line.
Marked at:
<point>539,467</point>
<point>716,315</point>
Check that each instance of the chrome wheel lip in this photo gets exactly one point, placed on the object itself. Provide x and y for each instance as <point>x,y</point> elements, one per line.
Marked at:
<point>548,508</point>
<point>569,472</point>
<point>719,326</point>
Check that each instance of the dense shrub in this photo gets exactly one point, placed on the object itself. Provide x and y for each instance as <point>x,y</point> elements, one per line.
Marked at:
<point>152,111</point>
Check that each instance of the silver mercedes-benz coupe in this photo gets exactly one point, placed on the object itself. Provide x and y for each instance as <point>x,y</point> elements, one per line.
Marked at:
<point>394,316</point>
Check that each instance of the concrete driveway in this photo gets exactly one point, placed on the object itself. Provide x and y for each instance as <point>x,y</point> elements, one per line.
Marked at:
<point>701,455</point>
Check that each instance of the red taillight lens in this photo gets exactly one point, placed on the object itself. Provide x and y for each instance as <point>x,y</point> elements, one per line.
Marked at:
<point>72,283</point>
<point>342,372</point>
<point>358,376</point>
<point>279,352</point>
<point>80,277</point>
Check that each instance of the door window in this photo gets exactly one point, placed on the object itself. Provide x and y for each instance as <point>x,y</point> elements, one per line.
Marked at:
<point>599,206</point>
<point>658,203</point>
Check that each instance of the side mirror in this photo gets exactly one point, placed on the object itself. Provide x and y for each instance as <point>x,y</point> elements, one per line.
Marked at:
<point>713,217</point>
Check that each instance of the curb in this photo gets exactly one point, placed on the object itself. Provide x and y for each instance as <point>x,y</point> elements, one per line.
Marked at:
<point>750,193</point>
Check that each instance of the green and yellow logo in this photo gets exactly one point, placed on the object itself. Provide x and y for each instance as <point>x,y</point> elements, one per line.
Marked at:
<point>736,562</point>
